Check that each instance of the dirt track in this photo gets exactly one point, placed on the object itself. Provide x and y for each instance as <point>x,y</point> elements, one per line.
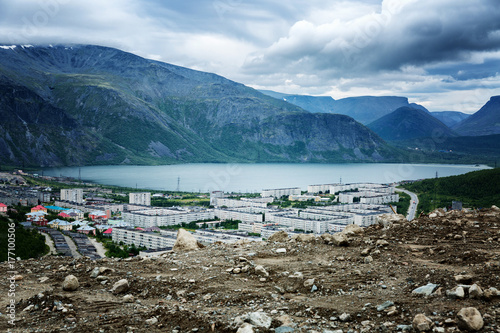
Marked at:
<point>193,291</point>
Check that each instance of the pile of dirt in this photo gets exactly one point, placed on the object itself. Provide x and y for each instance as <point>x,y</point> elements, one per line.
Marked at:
<point>306,284</point>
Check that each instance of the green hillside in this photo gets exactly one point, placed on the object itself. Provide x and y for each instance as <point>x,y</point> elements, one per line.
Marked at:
<point>475,189</point>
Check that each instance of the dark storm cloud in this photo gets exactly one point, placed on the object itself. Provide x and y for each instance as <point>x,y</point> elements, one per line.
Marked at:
<point>413,33</point>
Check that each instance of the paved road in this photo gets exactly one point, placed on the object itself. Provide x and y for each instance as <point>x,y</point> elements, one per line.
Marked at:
<point>413,204</point>
<point>72,247</point>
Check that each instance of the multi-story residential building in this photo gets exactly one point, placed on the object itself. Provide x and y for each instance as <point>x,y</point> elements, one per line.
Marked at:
<point>243,214</point>
<point>244,202</point>
<point>165,216</point>
<point>72,195</point>
<point>140,198</point>
<point>322,188</point>
<point>279,192</point>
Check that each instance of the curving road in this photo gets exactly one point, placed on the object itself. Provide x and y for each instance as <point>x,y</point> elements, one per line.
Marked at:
<point>412,210</point>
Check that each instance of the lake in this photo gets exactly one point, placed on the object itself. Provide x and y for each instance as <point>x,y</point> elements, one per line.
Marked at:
<point>253,177</point>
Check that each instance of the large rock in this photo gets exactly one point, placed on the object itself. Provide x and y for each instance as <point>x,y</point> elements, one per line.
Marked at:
<point>470,319</point>
<point>280,236</point>
<point>120,286</point>
<point>353,230</point>
<point>425,290</point>
<point>70,283</point>
<point>259,319</point>
<point>387,220</point>
<point>260,270</point>
<point>340,239</point>
<point>421,323</point>
<point>305,238</point>
<point>186,241</point>
<point>475,291</point>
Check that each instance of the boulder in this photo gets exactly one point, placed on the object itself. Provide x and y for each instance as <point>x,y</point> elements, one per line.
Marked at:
<point>280,237</point>
<point>421,323</point>
<point>465,278</point>
<point>186,242</point>
<point>305,238</point>
<point>353,230</point>
<point>259,319</point>
<point>120,286</point>
<point>459,292</point>
<point>387,220</point>
<point>70,283</point>
<point>470,319</point>
<point>340,239</point>
<point>245,328</point>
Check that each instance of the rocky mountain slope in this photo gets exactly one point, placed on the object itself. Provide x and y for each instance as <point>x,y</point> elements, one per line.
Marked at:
<point>81,104</point>
<point>408,123</point>
<point>486,121</point>
<point>395,276</point>
<point>450,118</point>
<point>364,109</point>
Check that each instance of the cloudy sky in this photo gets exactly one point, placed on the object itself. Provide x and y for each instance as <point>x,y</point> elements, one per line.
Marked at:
<point>443,54</point>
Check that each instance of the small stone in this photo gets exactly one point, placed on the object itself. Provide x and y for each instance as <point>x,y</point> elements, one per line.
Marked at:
<point>425,290</point>
<point>439,330</point>
<point>467,278</point>
<point>152,321</point>
<point>284,329</point>
<point>70,283</point>
<point>368,260</point>
<point>260,270</point>
<point>459,292</point>
<point>120,286</point>
<point>340,239</point>
<point>43,279</point>
<point>344,317</point>
<point>385,305</point>
<point>475,291</point>
<point>18,277</point>
<point>245,328</point>
<point>421,323</point>
<point>95,273</point>
<point>281,250</point>
<point>236,270</point>
<point>259,319</point>
<point>382,243</point>
<point>470,319</point>
<point>128,298</point>
<point>309,283</point>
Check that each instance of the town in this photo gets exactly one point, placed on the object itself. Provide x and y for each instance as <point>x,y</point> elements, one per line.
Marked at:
<point>70,215</point>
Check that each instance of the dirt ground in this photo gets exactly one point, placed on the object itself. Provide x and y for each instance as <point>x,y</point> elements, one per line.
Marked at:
<point>220,287</point>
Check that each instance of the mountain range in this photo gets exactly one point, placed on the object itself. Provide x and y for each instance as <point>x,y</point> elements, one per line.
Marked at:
<point>364,109</point>
<point>486,121</point>
<point>84,104</point>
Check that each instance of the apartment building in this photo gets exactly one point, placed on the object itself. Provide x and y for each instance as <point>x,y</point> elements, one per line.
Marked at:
<point>279,192</point>
<point>151,240</point>
<point>165,216</point>
<point>140,198</point>
<point>243,214</point>
<point>72,195</point>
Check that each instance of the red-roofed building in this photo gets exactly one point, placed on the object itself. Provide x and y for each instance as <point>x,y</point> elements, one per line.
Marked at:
<point>39,208</point>
<point>3,208</point>
<point>64,215</point>
<point>108,232</point>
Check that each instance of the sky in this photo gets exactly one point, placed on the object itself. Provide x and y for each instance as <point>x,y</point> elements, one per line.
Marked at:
<point>443,54</point>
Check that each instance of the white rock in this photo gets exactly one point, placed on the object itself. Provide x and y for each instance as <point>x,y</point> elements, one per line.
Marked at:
<point>470,319</point>
<point>260,270</point>
<point>120,286</point>
<point>185,241</point>
<point>70,283</point>
<point>281,250</point>
<point>128,298</point>
<point>475,291</point>
<point>245,328</point>
<point>259,319</point>
<point>421,323</point>
<point>152,321</point>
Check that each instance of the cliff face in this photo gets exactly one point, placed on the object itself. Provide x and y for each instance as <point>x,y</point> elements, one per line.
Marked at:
<point>76,105</point>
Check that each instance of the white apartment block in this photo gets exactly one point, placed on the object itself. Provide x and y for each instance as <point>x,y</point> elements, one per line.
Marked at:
<point>141,198</point>
<point>279,192</point>
<point>323,188</point>
<point>334,188</point>
<point>165,216</point>
<point>243,214</point>
<point>214,195</point>
<point>309,221</point>
<point>150,240</point>
<point>250,227</point>
<point>304,197</point>
<point>244,202</point>
<point>368,197</point>
<point>72,195</point>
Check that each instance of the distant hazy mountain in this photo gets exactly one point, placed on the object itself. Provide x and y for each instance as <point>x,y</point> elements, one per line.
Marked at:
<point>409,123</point>
<point>80,105</point>
<point>450,118</point>
<point>364,109</point>
<point>486,121</point>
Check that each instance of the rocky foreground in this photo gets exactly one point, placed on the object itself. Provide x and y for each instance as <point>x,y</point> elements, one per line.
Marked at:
<point>438,273</point>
